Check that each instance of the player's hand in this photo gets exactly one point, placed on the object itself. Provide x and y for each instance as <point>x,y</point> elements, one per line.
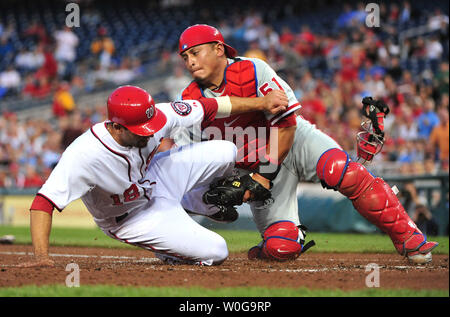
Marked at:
<point>275,101</point>
<point>260,179</point>
<point>42,261</point>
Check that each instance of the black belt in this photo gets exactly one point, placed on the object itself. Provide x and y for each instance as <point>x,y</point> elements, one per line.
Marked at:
<point>121,217</point>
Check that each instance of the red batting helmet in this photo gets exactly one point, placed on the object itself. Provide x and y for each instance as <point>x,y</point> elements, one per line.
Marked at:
<point>134,108</point>
<point>202,34</point>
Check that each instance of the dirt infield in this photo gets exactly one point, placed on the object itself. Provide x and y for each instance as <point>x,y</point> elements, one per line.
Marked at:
<point>140,268</point>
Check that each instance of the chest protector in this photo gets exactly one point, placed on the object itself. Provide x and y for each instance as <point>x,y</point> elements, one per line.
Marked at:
<point>249,131</point>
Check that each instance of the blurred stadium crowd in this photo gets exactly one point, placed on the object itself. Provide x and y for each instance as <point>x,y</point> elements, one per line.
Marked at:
<point>323,49</point>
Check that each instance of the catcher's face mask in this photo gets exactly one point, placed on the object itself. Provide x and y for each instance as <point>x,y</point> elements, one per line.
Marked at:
<point>371,140</point>
<point>369,143</point>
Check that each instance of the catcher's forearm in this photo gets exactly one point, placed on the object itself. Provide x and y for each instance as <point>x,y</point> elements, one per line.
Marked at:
<point>235,105</point>
<point>241,105</point>
<point>280,143</point>
<point>262,180</point>
<point>274,102</point>
<point>40,224</point>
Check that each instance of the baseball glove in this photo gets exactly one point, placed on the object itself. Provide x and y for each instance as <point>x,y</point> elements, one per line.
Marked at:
<point>229,191</point>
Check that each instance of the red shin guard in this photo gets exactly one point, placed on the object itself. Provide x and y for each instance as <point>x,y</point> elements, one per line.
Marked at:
<point>372,198</point>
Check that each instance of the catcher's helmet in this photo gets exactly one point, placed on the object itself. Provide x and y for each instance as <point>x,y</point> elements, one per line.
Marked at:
<point>201,34</point>
<point>134,108</point>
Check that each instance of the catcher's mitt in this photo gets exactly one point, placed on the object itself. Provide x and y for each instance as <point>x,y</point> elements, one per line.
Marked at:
<point>229,191</point>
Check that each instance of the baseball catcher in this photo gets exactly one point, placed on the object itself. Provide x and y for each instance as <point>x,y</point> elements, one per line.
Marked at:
<point>303,153</point>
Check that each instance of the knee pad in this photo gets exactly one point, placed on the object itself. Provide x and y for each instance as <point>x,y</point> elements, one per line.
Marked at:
<point>283,241</point>
<point>334,164</point>
<point>331,167</point>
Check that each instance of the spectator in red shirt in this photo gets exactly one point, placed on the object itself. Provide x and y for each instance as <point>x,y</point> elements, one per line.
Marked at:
<point>394,12</point>
<point>37,32</point>
<point>32,178</point>
<point>42,88</point>
<point>286,36</point>
<point>312,107</point>
<point>348,71</point>
<point>30,86</point>
<point>3,178</point>
<point>306,34</point>
<point>50,67</point>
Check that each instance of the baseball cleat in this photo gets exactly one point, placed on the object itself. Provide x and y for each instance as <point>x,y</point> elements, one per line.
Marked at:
<point>173,260</point>
<point>256,252</point>
<point>224,215</point>
<point>7,239</point>
<point>418,258</point>
<point>417,249</point>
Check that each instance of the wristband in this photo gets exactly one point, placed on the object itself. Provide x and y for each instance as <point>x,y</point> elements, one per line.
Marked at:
<point>223,107</point>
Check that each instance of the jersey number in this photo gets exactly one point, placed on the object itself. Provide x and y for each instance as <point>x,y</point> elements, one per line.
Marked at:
<point>264,89</point>
<point>129,194</point>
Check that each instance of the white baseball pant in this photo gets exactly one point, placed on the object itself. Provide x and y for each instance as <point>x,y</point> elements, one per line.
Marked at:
<point>164,227</point>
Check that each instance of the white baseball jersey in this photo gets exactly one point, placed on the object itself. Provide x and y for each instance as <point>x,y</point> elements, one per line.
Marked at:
<point>110,178</point>
<point>135,195</point>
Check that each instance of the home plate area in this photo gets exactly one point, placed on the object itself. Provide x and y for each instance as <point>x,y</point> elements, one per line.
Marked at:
<point>136,267</point>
